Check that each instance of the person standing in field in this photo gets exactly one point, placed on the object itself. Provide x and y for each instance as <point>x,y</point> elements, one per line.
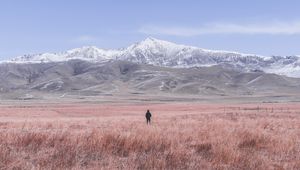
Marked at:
<point>148,116</point>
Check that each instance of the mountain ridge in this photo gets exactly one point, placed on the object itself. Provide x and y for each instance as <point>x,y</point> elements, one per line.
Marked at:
<point>167,54</point>
<point>124,78</point>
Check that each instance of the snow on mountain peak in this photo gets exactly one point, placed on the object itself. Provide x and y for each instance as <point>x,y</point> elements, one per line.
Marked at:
<point>158,42</point>
<point>148,47</point>
<point>91,53</point>
<point>152,44</point>
<point>168,54</point>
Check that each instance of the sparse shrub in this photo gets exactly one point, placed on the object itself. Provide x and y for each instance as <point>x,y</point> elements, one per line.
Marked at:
<point>248,143</point>
<point>204,149</point>
<point>253,141</point>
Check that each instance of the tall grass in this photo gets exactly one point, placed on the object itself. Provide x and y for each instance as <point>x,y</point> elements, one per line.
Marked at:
<point>187,141</point>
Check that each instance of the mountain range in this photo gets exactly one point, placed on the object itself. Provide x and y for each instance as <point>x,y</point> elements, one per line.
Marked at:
<point>167,54</point>
<point>151,67</point>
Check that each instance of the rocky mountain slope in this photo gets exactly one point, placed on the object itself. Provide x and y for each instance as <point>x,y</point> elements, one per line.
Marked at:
<point>124,77</point>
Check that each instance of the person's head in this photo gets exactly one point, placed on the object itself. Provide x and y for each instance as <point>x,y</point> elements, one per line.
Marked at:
<point>148,110</point>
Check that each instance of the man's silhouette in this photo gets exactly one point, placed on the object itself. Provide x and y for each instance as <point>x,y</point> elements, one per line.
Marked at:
<point>148,116</point>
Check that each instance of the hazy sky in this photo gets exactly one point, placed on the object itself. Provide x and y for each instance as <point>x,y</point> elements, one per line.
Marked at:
<point>267,27</point>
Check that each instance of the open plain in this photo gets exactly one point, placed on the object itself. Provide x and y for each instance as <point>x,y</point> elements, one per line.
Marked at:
<point>77,135</point>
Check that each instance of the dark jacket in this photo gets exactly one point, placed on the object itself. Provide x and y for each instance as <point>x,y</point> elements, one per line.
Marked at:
<point>148,115</point>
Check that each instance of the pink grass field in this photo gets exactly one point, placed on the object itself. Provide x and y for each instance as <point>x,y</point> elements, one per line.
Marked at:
<point>181,136</point>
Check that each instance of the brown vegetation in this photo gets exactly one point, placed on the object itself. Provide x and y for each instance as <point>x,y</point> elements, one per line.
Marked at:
<point>182,136</point>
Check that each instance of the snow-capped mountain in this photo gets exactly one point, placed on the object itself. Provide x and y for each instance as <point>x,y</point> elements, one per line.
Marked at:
<point>163,53</point>
<point>167,54</point>
<point>85,53</point>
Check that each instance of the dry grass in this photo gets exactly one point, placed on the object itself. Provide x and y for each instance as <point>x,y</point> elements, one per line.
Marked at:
<point>181,137</point>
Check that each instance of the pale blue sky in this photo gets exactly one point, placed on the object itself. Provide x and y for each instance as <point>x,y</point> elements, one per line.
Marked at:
<point>267,27</point>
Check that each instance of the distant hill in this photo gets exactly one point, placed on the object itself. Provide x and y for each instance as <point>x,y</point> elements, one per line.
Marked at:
<point>124,77</point>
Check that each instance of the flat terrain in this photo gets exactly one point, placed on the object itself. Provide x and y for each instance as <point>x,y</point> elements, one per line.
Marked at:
<point>181,136</point>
